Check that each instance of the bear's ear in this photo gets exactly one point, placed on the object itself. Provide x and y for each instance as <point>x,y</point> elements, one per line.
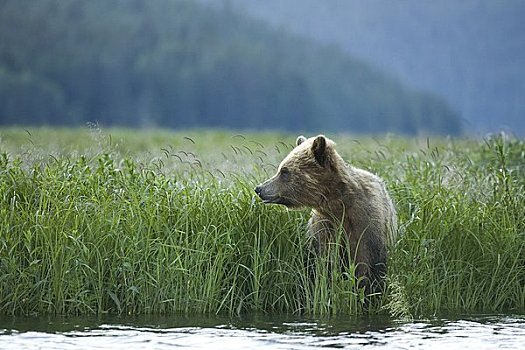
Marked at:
<point>300,139</point>
<point>319,150</point>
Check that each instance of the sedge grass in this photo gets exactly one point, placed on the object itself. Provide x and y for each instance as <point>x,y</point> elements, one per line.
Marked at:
<point>130,222</point>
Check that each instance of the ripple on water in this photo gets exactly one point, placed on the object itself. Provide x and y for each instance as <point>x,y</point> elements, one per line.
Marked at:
<point>485,332</point>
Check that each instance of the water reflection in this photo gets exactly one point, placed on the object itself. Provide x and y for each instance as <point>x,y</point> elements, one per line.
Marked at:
<point>262,332</point>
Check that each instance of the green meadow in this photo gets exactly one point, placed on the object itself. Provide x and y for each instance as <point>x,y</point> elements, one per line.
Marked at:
<point>155,222</point>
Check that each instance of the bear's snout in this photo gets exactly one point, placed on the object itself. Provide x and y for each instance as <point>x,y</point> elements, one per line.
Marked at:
<point>264,193</point>
<point>258,190</point>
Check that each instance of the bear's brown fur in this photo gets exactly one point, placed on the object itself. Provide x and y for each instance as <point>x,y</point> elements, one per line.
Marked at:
<point>342,198</point>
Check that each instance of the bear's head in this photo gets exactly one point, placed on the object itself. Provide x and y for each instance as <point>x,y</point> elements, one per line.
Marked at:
<point>303,176</point>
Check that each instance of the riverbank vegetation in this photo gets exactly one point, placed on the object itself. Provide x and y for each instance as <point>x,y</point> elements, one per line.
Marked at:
<point>133,222</point>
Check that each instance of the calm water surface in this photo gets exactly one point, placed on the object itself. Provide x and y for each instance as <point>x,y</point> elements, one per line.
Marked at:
<point>263,332</point>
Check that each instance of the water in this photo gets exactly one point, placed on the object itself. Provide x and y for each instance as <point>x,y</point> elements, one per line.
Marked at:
<point>263,332</point>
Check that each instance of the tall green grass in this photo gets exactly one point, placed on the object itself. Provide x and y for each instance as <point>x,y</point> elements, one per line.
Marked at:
<point>156,222</point>
<point>463,212</point>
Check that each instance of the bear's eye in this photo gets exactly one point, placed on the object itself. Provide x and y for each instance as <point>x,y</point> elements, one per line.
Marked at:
<point>285,173</point>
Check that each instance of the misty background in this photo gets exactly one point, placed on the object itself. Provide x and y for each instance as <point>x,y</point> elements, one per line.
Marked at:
<point>408,67</point>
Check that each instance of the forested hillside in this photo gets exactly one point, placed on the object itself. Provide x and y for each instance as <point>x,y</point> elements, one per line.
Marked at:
<point>183,64</point>
<point>470,52</point>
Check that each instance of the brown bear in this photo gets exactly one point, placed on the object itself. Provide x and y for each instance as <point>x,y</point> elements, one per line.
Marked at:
<point>343,199</point>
